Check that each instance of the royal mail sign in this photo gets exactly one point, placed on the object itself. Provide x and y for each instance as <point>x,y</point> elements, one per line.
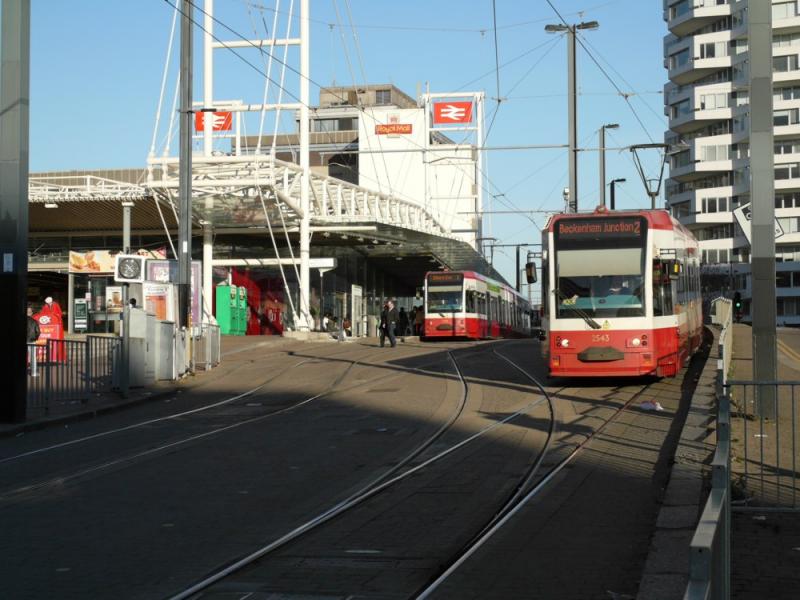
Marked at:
<point>452,112</point>
<point>393,129</point>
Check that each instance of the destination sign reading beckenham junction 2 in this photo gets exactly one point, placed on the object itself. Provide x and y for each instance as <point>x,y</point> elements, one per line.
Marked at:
<point>575,228</point>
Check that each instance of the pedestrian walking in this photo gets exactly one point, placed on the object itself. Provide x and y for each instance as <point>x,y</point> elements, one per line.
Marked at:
<point>33,327</point>
<point>388,323</point>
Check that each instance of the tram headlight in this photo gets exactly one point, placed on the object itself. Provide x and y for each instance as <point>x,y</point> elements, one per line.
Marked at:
<point>565,343</point>
<point>636,342</point>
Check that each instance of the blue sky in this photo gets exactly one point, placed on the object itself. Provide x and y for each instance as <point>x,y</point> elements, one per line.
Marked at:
<point>96,69</point>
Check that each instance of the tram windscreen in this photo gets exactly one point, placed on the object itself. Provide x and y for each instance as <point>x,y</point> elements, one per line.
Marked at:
<point>600,267</point>
<point>445,292</point>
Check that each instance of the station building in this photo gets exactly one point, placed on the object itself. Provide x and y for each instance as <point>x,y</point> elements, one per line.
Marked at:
<point>393,198</point>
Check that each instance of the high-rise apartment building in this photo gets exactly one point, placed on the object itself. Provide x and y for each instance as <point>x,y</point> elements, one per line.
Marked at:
<point>707,103</point>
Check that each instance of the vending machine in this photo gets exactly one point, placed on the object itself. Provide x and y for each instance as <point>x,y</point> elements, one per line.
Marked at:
<point>227,309</point>
<point>244,313</point>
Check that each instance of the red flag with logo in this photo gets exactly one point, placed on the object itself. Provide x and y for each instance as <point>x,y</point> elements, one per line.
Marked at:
<point>452,112</point>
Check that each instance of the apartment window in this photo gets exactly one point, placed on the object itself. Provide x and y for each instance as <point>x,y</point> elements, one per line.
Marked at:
<point>681,159</point>
<point>787,171</point>
<point>787,147</point>
<point>383,97</point>
<point>679,59</point>
<point>785,117</point>
<point>789,254</point>
<point>783,64</point>
<point>680,109</point>
<point>787,93</point>
<point>784,10</point>
<point>740,98</point>
<point>716,152</point>
<point>679,9</point>
<point>785,40</point>
<point>711,101</point>
<point>783,279</point>
<point>713,205</point>
<point>713,50</point>
<point>790,224</point>
<point>787,200</point>
<point>738,47</point>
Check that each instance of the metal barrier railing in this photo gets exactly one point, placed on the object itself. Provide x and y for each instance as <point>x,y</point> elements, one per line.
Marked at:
<point>206,346</point>
<point>769,412</point>
<point>103,354</point>
<point>62,372</point>
<point>58,373</point>
<point>709,561</point>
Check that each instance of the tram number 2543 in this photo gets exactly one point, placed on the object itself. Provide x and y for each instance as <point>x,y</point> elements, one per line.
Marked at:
<point>601,337</point>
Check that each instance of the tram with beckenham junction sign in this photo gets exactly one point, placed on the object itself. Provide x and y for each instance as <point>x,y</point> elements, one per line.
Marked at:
<point>620,294</point>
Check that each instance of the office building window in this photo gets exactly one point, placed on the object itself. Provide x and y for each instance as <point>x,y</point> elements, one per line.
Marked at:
<point>383,97</point>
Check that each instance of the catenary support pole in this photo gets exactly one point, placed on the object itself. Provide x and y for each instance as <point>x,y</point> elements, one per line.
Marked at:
<point>208,133</point>
<point>572,101</point>
<point>15,21</point>
<point>125,371</point>
<point>762,193</point>
<point>185,167</point>
<point>305,220</point>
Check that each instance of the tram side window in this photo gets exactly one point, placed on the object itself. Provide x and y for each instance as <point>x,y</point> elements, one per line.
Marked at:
<point>545,286</point>
<point>662,290</point>
<point>472,301</point>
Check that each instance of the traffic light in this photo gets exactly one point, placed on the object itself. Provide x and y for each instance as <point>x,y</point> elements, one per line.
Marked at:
<point>737,301</point>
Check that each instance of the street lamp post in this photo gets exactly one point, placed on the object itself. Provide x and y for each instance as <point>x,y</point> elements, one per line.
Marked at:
<point>602,144</point>
<point>612,184</point>
<point>572,103</point>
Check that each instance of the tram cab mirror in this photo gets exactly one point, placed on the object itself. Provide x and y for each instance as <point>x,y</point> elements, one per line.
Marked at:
<point>530,272</point>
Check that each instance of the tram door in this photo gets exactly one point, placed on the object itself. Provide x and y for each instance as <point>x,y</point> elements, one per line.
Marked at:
<point>357,311</point>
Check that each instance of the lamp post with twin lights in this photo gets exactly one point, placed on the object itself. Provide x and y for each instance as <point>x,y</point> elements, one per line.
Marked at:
<point>572,103</point>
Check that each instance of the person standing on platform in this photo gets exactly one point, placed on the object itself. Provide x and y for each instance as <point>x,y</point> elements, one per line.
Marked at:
<point>33,327</point>
<point>402,322</point>
<point>419,320</point>
<point>388,323</point>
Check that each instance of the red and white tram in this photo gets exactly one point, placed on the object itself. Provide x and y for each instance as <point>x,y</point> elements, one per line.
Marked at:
<point>620,294</point>
<point>466,304</point>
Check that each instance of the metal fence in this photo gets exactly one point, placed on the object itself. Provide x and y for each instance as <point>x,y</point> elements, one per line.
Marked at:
<point>767,426</point>
<point>709,562</point>
<point>63,372</point>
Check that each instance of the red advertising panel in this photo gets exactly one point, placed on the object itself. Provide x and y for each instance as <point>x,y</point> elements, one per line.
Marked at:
<point>452,112</point>
<point>220,121</point>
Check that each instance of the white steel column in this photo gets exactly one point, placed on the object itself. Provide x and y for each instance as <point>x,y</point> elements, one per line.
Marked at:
<point>305,234</point>
<point>478,208</point>
<point>208,139</point>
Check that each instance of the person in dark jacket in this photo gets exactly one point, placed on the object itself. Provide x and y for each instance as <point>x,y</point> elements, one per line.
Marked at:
<point>388,323</point>
<point>33,327</point>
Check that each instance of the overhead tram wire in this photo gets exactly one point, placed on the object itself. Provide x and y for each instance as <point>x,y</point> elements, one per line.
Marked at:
<point>355,87</point>
<point>481,31</point>
<point>289,93</point>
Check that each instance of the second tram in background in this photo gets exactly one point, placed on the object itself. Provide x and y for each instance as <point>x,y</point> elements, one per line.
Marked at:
<point>620,294</point>
<point>465,304</point>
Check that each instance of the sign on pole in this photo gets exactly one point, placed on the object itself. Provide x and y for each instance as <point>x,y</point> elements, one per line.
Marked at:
<point>744,217</point>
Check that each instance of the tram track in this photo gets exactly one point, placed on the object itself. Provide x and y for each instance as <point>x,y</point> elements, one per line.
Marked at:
<point>374,487</point>
<point>525,492</point>
<point>16,493</point>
